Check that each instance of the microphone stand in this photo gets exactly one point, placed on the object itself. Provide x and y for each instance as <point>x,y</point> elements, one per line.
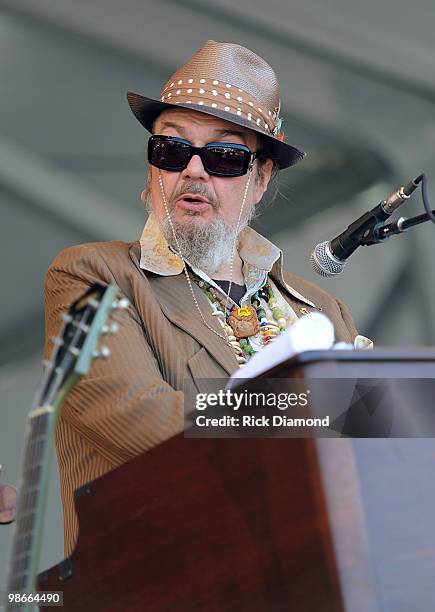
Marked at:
<point>382,232</point>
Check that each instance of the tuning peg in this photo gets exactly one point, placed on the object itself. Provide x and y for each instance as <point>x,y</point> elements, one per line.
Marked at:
<point>113,328</point>
<point>57,341</point>
<point>103,352</point>
<point>66,317</point>
<point>122,303</point>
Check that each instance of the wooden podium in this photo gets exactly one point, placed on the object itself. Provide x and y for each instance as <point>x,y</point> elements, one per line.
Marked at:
<point>218,524</point>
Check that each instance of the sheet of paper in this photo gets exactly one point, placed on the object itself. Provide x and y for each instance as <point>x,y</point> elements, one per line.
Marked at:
<point>313,331</point>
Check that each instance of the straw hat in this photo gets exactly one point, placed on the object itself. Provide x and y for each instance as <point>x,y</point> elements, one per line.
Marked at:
<point>230,82</point>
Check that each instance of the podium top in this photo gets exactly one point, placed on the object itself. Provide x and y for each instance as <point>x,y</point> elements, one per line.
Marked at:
<point>412,362</point>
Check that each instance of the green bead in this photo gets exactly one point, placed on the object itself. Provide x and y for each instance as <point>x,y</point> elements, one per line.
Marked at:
<point>277,313</point>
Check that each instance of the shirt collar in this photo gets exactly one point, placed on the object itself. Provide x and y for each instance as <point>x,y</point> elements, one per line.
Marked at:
<point>256,251</point>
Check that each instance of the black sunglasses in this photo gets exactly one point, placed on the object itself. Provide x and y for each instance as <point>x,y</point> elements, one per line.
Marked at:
<point>218,158</point>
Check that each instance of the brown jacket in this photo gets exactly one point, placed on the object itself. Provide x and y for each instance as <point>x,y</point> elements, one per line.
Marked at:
<point>134,400</point>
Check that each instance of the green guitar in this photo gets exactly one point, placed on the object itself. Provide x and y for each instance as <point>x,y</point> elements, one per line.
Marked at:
<point>74,350</point>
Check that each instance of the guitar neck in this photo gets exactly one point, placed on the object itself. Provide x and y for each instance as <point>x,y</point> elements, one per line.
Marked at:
<point>27,531</point>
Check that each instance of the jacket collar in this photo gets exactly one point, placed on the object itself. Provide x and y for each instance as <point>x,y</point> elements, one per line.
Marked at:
<point>258,254</point>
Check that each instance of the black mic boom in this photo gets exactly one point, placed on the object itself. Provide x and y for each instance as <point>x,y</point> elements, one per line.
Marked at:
<point>329,258</point>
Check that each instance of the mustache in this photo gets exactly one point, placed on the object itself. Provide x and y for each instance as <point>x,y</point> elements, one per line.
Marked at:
<point>195,189</point>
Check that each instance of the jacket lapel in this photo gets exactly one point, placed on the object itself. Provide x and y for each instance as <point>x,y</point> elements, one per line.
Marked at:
<point>176,302</point>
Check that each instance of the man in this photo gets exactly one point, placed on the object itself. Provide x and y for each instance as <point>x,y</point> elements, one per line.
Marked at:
<point>216,143</point>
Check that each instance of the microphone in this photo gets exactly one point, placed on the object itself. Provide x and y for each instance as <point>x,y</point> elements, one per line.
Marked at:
<point>328,258</point>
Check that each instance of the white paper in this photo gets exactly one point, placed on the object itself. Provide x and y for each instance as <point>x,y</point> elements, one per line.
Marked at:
<point>311,332</point>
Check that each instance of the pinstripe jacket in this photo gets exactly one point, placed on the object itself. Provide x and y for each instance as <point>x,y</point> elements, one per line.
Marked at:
<point>134,400</point>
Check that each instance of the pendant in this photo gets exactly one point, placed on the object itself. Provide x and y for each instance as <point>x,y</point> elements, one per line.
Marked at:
<point>243,321</point>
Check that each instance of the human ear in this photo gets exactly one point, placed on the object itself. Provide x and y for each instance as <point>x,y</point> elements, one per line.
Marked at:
<point>146,192</point>
<point>263,173</point>
<point>144,195</point>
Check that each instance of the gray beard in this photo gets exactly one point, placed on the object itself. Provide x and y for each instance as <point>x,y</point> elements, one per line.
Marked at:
<point>205,247</point>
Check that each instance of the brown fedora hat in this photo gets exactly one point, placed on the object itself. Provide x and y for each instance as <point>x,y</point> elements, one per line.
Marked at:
<point>230,82</point>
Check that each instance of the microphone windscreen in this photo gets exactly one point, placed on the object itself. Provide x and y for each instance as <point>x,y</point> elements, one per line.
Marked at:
<point>323,261</point>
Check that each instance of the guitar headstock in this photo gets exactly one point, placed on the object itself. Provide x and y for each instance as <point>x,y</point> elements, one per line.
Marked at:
<point>76,346</point>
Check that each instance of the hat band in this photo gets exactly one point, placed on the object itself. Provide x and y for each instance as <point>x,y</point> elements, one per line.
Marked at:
<point>220,96</point>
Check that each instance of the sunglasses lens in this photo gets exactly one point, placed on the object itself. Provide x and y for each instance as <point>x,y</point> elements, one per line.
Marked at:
<point>221,160</point>
<point>226,161</point>
<point>168,154</point>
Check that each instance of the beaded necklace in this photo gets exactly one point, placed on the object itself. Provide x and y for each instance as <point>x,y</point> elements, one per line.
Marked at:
<point>240,320</point>
<point>234,317</point>
<point>180,254</point>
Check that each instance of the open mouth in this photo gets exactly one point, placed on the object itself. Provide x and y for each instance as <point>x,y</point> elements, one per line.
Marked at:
<point>193,202</point>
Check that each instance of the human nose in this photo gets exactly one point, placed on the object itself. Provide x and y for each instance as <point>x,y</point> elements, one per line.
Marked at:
<point>195,169</point>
